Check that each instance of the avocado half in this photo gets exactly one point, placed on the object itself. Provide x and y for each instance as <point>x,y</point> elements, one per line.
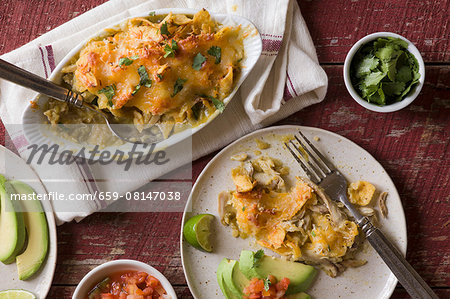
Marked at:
<point>12,227</point>
<point>31,260</point>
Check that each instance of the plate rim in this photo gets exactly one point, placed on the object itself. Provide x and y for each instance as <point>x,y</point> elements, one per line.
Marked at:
<point>49,214</point>
<point>391,279</point>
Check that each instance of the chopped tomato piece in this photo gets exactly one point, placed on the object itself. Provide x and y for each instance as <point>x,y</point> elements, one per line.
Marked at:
<point>266,289</point>
<point>283,284</point>
<point>152,282</point>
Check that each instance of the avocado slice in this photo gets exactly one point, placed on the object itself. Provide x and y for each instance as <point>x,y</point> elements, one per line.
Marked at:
<point>246,264</point>
<point>233,281</point>
<point>300,275</point>
<point>224,266</point>
<point>12,227</point>
<point>31,260</point>
<point>228,279</point>
<point>240,281</point>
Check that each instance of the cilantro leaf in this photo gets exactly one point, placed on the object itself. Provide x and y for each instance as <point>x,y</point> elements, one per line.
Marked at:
<point>267,284</point>
<point>136,89</point>
<point>174,45</point>
<point>374,78</point>
<point>145,80</point>
<point>178,86</point>
<point>128,60</point>
<point>196,109</point>
<point>366,65</point>
<point>164,30</point>
<point>404,74</point>
<point>393,88</point>
<point>216,52</point>
<point>199,59</point>
<point>217,103</point>
<point>170,50</point>
<point>125,61</point>
<point>378,97</point>
<point>152,13</point>
<point>257,256</point>
<point>109,91</point>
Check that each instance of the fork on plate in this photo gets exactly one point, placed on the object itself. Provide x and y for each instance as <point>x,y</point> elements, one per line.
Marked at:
<point>323,173</point>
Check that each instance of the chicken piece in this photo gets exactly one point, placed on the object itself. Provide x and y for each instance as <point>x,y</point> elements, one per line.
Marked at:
<point>243,177</point>
<point>382,204</point>
<point>337,216</point>
<point>269,177</point>
<point>239,157</point>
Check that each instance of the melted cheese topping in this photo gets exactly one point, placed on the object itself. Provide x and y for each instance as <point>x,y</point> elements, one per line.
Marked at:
<point>267,216</point>
<point>327,240</point>
<point>260,214</point>
<point>145,43</point>
<point>295,223</point>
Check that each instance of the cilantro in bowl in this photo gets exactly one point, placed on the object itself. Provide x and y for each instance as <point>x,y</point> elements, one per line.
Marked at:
<point>383,71</point>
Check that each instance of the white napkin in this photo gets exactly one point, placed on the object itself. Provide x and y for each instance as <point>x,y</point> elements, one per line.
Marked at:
<point>286,79</point>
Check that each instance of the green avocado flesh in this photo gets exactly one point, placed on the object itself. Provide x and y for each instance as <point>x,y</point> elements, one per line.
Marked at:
<point>12,227</point>
<point>31,260</point>
<point>223,267</point>
<point>246,261</point>
<point>300,275</point>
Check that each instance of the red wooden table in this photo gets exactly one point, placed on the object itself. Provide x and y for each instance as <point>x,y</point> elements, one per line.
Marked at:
<point>412,144</point>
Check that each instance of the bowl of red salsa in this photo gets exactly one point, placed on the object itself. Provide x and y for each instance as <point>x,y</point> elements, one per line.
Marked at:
<point>122,279</point>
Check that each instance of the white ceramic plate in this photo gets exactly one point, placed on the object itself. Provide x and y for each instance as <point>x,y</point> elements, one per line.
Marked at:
<point>42,135</point>
<point>14,168</point>
<point>373,280</point>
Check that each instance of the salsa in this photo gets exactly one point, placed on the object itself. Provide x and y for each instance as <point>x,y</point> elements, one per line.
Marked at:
<point>268,288</point>
<point>128,284</point>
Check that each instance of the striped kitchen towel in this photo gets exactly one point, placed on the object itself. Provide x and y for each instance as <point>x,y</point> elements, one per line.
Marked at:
<point>286,79</point>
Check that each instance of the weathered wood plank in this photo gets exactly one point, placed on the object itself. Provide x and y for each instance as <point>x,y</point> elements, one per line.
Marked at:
<point>334,25</point>
<point>65,292</point>
<point>149,237</point>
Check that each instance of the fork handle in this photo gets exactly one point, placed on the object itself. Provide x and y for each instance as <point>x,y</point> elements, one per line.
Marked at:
<point>29,80</point>
<point>406,275</point>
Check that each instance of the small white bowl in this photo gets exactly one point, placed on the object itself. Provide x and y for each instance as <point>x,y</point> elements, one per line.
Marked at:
<point>99,273</point>
<point>391,107</point>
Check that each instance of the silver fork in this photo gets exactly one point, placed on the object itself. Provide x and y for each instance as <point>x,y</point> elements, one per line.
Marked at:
<point>323,173</point>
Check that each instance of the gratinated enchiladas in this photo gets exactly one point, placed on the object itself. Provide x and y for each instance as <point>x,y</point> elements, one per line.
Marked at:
<point>172,69</point>
<point>298,221</point>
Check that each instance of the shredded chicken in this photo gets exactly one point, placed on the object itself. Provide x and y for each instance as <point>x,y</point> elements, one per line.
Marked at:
<point>382,204</point>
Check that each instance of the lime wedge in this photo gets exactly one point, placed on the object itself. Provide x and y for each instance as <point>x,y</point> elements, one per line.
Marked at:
<point>197,231</point>
<point>16,294</point>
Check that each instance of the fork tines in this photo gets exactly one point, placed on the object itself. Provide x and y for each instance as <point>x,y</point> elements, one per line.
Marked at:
<point>313,163</point>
